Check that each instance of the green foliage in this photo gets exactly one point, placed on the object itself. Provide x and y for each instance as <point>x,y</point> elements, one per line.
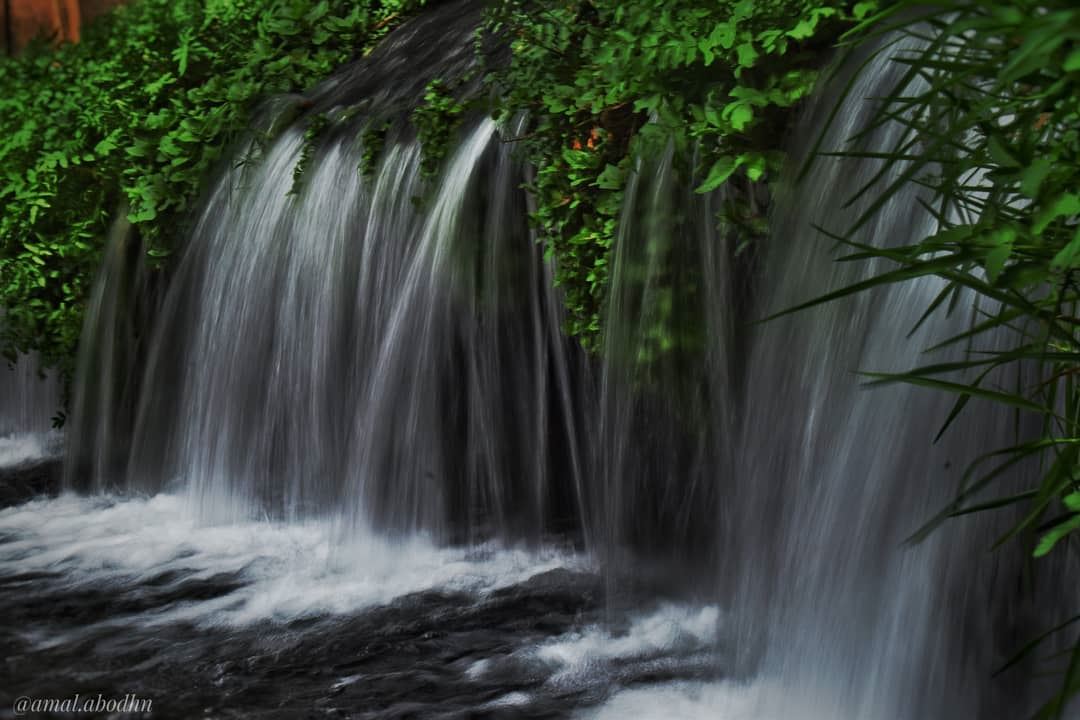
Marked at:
<point>315,126</point>
<point>372,139</point>
<point>1064,527</point>
<point>991,104</point>
<point>605,81</point>
<point>138,113</point>
<point>435,121</point>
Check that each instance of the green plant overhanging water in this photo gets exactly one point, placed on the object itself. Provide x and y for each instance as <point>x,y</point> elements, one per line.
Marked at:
<point>142,109</point>
<point>604,81</point>
<point>435,120</point>
<point>991,104</point>
<point>139,112</point>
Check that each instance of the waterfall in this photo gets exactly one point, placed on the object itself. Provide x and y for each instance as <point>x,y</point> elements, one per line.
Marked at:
<point>361,347</point>
<point>359,342</point>
<point>662,417</point>
<point>122,303</point>
<point>833,477</point>
<point>362,342</point>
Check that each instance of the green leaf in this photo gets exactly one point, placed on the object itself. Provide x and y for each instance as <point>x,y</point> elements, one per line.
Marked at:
<point>722,35</point>
<point>1002,240</point>
<point>1072,501</point>
<point>611,178</point>
<point>181,53</point>
<point>1051,538</point>
<point>1072,62</point>
<point>712,116</point>
<point>721,170</point>
<point>1068,258</point>
<point>1034,175</point>
<point>747,54</point>
<point>1036,50</point>
<point>755,167</point>
<point>107,144</point>
<point>960,388</point>
<point>739,115</point>
<point>1064,205</point>
<point>863,9</point>
<point>802,31</point>
<point>1001,154</point>
<point>158,85</point>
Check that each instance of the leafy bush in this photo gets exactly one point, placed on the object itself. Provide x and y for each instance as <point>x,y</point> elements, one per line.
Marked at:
<point>136,115</point>
<point>723,76</point>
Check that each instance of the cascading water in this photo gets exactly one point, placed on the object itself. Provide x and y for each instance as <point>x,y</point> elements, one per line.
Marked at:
<point>660,430</point>
<point>374,345</point>
<point>357,399</point>
<point>30,401</point>
<point>377,343</point>
<point>844,617</point>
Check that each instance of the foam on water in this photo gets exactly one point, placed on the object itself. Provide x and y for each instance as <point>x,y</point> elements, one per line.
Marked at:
<point>23,448</point>
<point>287,571</point>
<point>685,700</point>
<point>671,640</point>
<point>671,629</point>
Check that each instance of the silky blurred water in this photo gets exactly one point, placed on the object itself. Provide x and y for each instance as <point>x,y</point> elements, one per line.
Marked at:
<point>353,466</point>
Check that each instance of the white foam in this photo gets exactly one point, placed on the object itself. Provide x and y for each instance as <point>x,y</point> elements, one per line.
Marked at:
<point>756,700</point>
<point>671,629</point>
<point>513,699</point>
<point>22,448</point>
<point>673,636</point>
<point>290,570</point>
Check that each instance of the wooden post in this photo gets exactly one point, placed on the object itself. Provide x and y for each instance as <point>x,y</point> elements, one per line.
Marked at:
<point>72,21</point>
<point>57,20</point>
<point>9,30</point>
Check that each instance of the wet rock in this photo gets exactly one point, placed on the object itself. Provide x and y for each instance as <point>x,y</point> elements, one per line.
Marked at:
<point>29,480</point>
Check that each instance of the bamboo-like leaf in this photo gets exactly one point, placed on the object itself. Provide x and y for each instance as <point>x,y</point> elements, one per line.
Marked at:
<point>949,289</point>
<point>1014,455</point>
<point>1055,534</point>
<point>1055,708</point>
<point>994,504</point>
<point>1034,643</point>
<point>883,279</point>
<point>1057,479</point>
<point>1003,398</point>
